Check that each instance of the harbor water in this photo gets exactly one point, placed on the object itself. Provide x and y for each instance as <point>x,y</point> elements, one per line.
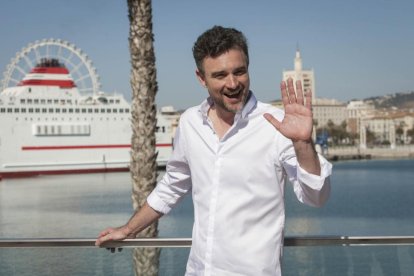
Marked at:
<point>369,197</point>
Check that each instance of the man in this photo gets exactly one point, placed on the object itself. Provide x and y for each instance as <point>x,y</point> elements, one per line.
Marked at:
<point>234,154</point>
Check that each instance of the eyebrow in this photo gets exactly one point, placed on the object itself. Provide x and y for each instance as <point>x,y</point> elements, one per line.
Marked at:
<point>217,73</point>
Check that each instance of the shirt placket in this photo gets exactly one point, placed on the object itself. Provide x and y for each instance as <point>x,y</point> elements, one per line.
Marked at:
<point>213,204</point>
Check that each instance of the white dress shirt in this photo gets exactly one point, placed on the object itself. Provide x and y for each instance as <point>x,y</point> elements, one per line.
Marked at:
<point>237,185</point>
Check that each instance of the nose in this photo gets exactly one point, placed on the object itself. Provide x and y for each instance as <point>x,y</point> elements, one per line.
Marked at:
<point>232,81</point>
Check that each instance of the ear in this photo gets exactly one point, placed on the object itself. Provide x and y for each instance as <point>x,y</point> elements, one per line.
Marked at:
<point>201,78</point>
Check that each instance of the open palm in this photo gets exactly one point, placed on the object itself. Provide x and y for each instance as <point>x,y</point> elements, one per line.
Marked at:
<point>298,121</point>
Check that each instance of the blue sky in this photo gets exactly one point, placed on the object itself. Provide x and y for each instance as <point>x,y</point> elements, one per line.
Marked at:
<point>357,48</point>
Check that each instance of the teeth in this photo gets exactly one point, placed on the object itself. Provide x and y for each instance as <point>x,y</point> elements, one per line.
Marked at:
<point>232,94</point>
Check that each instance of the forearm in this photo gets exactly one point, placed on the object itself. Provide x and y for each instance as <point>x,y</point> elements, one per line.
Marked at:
<point>144,217</point>
<point>307,156</point>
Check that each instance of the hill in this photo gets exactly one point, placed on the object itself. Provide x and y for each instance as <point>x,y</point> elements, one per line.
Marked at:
<point>398,100</point>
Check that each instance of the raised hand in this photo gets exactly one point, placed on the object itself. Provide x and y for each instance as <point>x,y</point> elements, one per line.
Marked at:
<point>298,121</point>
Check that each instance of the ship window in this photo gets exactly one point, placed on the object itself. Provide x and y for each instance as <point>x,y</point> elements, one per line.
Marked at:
<point>2,110</point>
<point>43,101</point>
<point>49,101</point>
<point>117,101</point>
<point>89,110</point>
<point>23,110</point>
<point>57,110</point>
<point>111,101</point>
<point>127,110</point>
<point>103,100</point>
<point>96,110</point>
<point>45,128</point>
<point>69,101</point>
<point>70,110</point>
<point>63,110</point>
<point>30,110</point>
<point>77,110</point>
<point>37,110</point>
<point>44,110</point>
<point>50,110</point>
<point>22,101</point>
<point>115,110</point>
<point>56,101</point>
<point>83,110</point>
<point>62,101</point>
<point>108,110</point>
<point>59,130</point>
<point>39,130</point>
<point>102,110</point>
<point>36,101</point>
<point>29,101</point>
<point>121,110</point>
<point>16,110</point>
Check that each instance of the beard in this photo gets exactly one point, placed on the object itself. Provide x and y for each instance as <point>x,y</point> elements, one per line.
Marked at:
<point>220,101</point>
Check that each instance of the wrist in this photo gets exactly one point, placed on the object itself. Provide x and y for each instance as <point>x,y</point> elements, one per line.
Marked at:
<point>303,145</point>
<point>127,230</point>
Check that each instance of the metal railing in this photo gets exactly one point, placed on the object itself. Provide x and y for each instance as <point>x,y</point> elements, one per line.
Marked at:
<point>186,242</point>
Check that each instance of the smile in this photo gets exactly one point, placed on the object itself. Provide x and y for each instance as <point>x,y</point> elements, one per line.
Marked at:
<point>234,94</point>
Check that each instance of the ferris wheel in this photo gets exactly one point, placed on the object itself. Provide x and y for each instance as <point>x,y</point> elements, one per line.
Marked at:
<point>80,67</point>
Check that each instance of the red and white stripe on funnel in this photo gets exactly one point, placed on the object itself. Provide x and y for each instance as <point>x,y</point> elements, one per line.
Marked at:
<point>48,76</point>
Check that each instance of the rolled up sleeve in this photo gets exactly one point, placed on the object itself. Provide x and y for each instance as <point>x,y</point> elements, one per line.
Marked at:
<point>310,189</point>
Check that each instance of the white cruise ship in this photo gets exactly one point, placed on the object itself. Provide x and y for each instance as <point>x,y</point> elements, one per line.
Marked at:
<point>48,126</point>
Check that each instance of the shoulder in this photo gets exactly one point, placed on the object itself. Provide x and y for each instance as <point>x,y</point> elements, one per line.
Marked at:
<point>191,116</point>
<point>190,113</point>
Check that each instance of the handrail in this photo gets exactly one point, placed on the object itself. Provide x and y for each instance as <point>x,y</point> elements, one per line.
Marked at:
<point>186,242</point>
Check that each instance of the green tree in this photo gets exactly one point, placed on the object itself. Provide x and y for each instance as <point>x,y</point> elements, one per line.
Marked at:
<point>143,112</point>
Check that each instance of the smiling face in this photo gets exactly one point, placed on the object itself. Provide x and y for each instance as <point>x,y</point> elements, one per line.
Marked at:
<point>226,78</point>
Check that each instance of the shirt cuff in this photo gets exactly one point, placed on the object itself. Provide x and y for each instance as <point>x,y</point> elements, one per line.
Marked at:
<point>157,203</point>
<point>314,181</point>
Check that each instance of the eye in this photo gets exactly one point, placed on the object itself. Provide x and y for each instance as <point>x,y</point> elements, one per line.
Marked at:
<point>219,76</point>
<point>240,72</point>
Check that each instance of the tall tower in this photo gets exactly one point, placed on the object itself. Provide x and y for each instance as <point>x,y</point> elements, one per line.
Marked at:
<point>307,77</point>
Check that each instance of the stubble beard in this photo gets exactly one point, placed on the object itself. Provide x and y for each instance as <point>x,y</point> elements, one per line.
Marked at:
<point>219,102</point>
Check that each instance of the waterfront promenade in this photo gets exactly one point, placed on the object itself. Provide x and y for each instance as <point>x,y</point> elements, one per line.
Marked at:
<point>383,152</point>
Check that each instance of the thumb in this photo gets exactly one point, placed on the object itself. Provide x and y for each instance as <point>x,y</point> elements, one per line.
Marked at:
<point>272,120</point>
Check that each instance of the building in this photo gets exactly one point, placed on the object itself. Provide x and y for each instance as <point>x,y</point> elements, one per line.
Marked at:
<point>329,110</point>
<point>356,110</point>
<point>306,76</point>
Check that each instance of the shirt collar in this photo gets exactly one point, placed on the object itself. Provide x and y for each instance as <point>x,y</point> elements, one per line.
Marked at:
<point>247,108</point>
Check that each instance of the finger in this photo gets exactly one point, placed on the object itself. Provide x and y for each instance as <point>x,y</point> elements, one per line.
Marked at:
<point>283,91</point>
<point>272,120</point>
<point>103,239</point>
<point>299,92</point>
<point>105,232</point>
<point>291,91</point>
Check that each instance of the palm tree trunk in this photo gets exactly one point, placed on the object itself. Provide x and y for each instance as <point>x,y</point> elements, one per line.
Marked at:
<point>143,155</point>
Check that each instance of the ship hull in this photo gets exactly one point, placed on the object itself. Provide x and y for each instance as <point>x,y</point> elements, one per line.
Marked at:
<point>47,126</point>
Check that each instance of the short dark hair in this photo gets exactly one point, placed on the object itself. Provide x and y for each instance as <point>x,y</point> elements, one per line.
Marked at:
<point>217,41</point>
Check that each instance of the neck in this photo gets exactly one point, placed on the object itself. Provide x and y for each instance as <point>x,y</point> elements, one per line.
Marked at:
<point>222,120</point>
<point>224,115</point>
